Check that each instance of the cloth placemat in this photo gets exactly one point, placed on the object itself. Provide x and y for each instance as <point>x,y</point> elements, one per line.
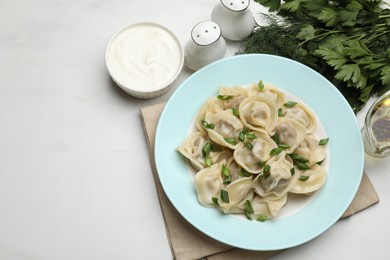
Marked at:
<point>187,242</point>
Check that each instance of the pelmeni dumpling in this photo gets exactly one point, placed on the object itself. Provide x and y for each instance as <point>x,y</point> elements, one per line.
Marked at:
<point>310,180</point>
<point>192,149</point>
<point>311,150</point>
<point>226,126</point>
<point>237,94</point>
<point>268,207</point>
<point>290,132</point>
<point>277,179</point>
<point>240,207</point>
<point>269,91</point>
<point>211,106</point>
<point>251,159</point>
<point>237,191</point>
<point>208,184</point>
<point>258,114</point>
<point>303,115</point>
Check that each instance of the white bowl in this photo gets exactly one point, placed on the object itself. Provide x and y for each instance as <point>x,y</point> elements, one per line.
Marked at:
<point>144,59</point>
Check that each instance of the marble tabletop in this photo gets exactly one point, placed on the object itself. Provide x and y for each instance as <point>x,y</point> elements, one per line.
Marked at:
<point>75,178</point>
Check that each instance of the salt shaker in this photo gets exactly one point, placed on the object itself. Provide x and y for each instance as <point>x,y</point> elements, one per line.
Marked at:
<point>205,46</point>
<point>234,18</point>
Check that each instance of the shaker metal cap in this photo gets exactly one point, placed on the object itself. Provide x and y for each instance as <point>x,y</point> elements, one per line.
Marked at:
<point>236,5</point>
<point>206,33</point>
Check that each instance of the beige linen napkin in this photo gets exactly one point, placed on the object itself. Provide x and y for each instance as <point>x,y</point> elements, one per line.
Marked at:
<point>187,242</point>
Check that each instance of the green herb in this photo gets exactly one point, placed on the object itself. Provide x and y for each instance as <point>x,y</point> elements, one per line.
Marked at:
<point>248,145</point>
<point>245,131</point>
<point>326,140</point>
<point>225,97</point>
<point>280,112</point>
<point>320,162</point>
<point>266,171</point>
<point>215,201</point>
<point>251,136</point>
<point>208,161</point>
<point>276,151</point>
<point>248,209</point>
<point>290,104</point>
<point>207,125</point>
<point>302,166</point>
<point>227,175</point>
<point>262,218</point>
<point>241,136</point>
<point>244,173</point>
<point>206,150</point>
<point>260,85</point>
<point>235,111</point>
<point>262,163</point>
<point>303,178</point>
<point>225,196</point>
<point>215,148</point>
<point>275,137</point>
<point>292,171</point>
<point>231,140</point>
<point>346,41</point>
<point>298,158</point>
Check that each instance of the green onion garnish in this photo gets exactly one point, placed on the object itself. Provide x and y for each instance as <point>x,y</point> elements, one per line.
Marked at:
<point>262,163</point>
<point>297,158</point>
<point>260,85</point>
<point>241,136</point>
<point>302,166</point>
<point>231,140</point>
<point>225,97</point>
<point>208,161</point>
<point>280,112</point>
<point>225,196</point>
<point>261,218</point>
<point>235,111</point>
<point>324,141</point>
<point>276,151</point>
<point>245,131</point>
<point>251,136</point>
<point>248,145</point>
<point>266,171</point>
<point>290,104</point>
<point>215,200</point>
<point>275,137</point>
<point>244,173</point>
<point>303,178</point>
<point>206,150</point>
<point>248,209</point>
<point>207,125</point>
<point>292,170</point>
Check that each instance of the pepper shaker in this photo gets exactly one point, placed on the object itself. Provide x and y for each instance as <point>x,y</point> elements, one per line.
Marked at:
<point>205,46</point>
<point>234,18</point>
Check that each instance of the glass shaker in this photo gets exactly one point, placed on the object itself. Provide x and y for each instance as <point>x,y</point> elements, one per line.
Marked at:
<point>234,18</point>
<point>205,46</point>
<point>376,130</point>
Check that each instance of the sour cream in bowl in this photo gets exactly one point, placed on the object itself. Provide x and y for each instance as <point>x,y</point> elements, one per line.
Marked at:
<point>144,59</point>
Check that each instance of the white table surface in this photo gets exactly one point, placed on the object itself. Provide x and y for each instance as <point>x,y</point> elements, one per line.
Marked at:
<point>75,179</point>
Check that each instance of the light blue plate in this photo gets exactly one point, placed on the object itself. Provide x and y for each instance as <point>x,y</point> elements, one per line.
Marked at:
<point>346,152</point>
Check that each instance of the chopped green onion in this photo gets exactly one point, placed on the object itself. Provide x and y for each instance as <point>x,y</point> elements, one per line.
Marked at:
<point>216,148</point>
<point>284,146</point>
<point>225,196</point>
<point>303,178</point>
<point>290,104</point>
<point>262,218</point>
<point>260,85</point>
<point>251,136</point>
<point>235,111</point>
<point>320,162</point>
<point>215,200</point>
<point>280,112</point>
<point>206,150</point>
<point>266,171</point>
<point>248,209</point>
<point>225,97</point>
<point>248,145</point>
<point>275,151</point>
<point>292,170</point>
<point>241,136</point>
<point>207,125</point>
<point>297,158</point>
<point>324,141</point>
<point>275,137</point>
<point>231,140</point>
<point>262,163</point>
<point>244,173</point>
<point>245,131</point>
<point>227,179</point>
<point>208,161</point>
<point>225,170</point>
<point>302,166</point>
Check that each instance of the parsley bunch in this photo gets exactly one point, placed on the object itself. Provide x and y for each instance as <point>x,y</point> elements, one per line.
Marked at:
<point>347,41</point>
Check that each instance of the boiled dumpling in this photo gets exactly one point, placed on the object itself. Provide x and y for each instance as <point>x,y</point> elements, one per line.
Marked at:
<point>232,95</point>
<point>268,207</point>
<point>226,130</point>
<point>192,149</point>
<point>237,191</point>
<point>208,184</point>
<point>269,91</point>
<point>290,132</point>
<point>212,106</point>
<point>311,150</point>
<point>276,178</point>
<point>258,114</point>
<point>240,207</point>
<point>310,180</point>
<point>252,159</point>
<point>303,115</point>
